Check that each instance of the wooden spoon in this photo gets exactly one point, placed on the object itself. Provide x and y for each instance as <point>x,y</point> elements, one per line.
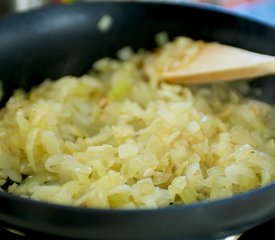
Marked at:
<point>187,61</point>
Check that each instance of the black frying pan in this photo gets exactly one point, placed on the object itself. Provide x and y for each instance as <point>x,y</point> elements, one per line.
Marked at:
<point>61,40</point>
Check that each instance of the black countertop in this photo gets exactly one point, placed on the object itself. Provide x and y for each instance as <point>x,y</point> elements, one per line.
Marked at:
<point>264,231</point>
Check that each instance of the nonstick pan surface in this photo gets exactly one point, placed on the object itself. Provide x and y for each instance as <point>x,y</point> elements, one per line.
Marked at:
<point>61,40</point>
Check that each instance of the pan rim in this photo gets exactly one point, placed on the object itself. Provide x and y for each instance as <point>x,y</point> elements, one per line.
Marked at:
<point>179,207</point>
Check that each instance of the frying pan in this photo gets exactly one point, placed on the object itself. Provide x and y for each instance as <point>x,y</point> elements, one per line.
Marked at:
<point>61,40</point>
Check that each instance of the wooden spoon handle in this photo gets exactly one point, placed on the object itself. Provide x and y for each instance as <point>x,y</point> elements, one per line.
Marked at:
<point>217,62</point>
<point>193,62</point>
